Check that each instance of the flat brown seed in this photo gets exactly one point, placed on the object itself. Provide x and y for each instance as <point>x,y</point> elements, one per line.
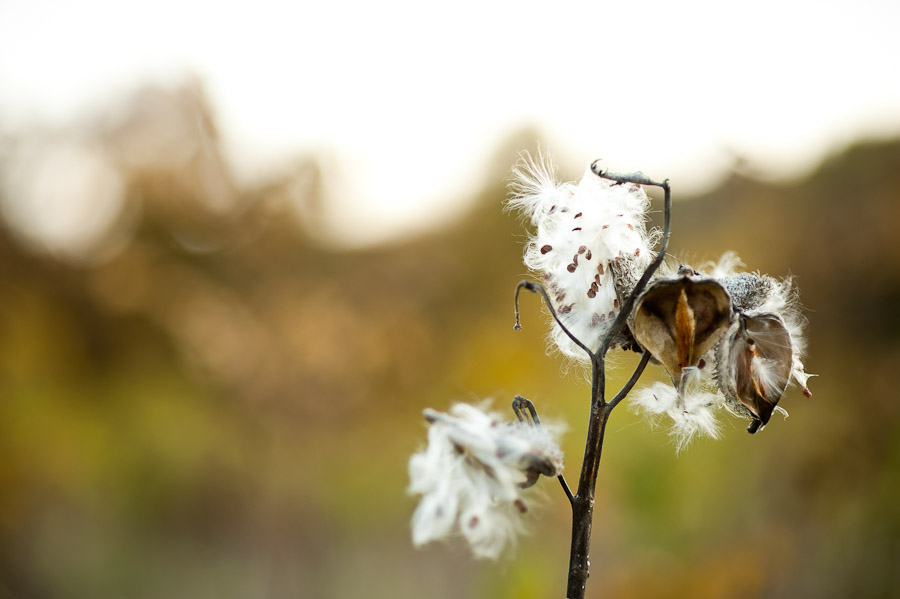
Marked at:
<point>571,267</point>
<point>637,252</point>
<point>582,249</point>
<point>592,293</point>
<point>605,227</point>
<point>616,303</point>
<point>588,255</point>
<point>577,229</point>
<point>546,248</point>
<point>600,268</point>
<point>577,215</point>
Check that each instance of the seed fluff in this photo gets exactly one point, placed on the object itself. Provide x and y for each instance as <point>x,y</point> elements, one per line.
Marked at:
<point>472,474</point>
<point>585,234</point>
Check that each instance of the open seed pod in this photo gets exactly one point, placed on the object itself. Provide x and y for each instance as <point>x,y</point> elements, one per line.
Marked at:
<point>753,365</point>
<point>678,319</point>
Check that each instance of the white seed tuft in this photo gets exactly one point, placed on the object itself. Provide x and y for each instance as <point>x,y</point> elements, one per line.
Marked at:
<point>472,474</point>
<point>580,232</point>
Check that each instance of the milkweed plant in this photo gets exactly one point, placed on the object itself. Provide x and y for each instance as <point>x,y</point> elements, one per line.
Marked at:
<point>729,340</point>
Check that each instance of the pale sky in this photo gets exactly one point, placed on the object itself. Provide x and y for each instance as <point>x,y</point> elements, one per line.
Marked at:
<point>408,99</point>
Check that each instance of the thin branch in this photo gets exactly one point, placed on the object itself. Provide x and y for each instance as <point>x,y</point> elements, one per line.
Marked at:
<point>636,177</point>
<point>626,306</point>
<point>566,489</point>
<point>522,406</point>
<point>539,289</point>
<point>631,382</point>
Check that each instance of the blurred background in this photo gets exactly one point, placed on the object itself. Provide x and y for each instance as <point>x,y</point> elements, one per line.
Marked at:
<point>242,248</point>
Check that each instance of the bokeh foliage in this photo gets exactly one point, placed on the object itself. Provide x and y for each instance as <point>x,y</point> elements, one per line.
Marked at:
<point>223,404</point>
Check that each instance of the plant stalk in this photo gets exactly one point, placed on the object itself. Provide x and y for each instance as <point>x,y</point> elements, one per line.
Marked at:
<point>583,500</point>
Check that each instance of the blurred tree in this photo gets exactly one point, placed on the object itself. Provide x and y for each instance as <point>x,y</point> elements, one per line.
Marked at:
<point>210,404</point>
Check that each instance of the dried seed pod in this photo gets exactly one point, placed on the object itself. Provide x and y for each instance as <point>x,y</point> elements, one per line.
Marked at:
<point>678,319</point>
<point>755,294</point>
<point>754,362</point>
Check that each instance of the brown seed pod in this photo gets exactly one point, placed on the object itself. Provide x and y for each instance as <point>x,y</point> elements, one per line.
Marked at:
<point>678,319</point>
<point>753,365</point>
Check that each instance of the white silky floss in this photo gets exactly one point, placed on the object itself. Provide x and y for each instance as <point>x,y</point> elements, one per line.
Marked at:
<point>471,477</point>
<point>581,231</point>
<point>695,416</point>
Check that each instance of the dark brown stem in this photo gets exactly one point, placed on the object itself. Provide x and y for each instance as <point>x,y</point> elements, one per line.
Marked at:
<point>583,501</point>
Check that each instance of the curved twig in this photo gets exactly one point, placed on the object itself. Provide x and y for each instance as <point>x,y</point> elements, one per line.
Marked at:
<point>539,289</point>
<point>520,406</point>
<point>626,306</point>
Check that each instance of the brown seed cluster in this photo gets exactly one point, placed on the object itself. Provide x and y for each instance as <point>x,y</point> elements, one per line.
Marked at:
<point>598,319</point>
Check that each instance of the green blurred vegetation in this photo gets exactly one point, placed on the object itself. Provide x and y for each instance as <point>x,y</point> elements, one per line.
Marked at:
<point>217,404</point>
